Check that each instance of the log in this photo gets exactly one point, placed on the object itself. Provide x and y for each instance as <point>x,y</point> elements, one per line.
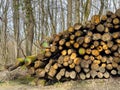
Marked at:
<point>95,52</point>
<point>62,72</point>
<point>104,59</point>
<point>81,51</point>
<point>117,13</point>
<point>76,45</point>
<point>72,66</point>
<point>87,39</point>
<point>64,52</point>
<point>80,40</point>
<point>97,36</point>
<point>93,73</point>
<point>77,26</point>
<point>40,73</point>
<point>108,25</point>
<point>86,70</point>
<point>106,37</point>
<point>87,75</point>
<point>53,48</point>
<point>96,62</point>
<point>116,54</point>
<point>101,69</point>
<point>95,19</point>
<point>118,68</point>
<point>113,72</point>
<point>99,57</point>
<point>85,45</point>
<point>39,64</point>
<point>48,66</point>
<point>56,38</point>
<point>55,66</point>
<point>58,76</point>
<point>109,67</point>
<point>105,47</point>
<point>116,21</point>
<point>70,61</point>
<point>114,64</point>
<point>103,18</point>
<point>115,35</point>
<point>116,27</point>
<point>77,68</point>
<point>67,74</point>
<point>72,36</point>
<point>62,42</point>
<point>88,51</point>
<point>107,29</point>
<point>89,33</point>
<point>84,64</point>
<point>100,75</point>
<point>86,57</point>
<point>52,72</point>
<point>60,47</point>
<point>96,43</point>
<point>77,61</point>
<point>65,64</point>
<point>41,56</point>
<point>110,44</point>
<point>72,74</point>
<point>100,48</point>
<point>103,65</point>
<point>70,51</point>
<point>78,33</point>
<point>71,29</point>
<point>73,55</point>
<point>67,44</point>
<point>106,75</point>
<point>66,58</point>
<point>92,58</point>
<point>114,48</point>
<point>31,70</point>
<point>100,28</point>
<point>82,76</point>
<point>48,54</point>
<point>60,59</point>
<point>109,20</point>
<point>118,41</point>
<point>95,67</point>
<point>107,52</point>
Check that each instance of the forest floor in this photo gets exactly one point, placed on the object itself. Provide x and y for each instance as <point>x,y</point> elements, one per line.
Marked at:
<point>92,84</point>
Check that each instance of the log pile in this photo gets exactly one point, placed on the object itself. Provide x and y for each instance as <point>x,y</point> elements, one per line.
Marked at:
<point>81,52</point>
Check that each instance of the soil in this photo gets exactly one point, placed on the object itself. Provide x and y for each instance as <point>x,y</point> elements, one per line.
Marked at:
<point>91,84</point>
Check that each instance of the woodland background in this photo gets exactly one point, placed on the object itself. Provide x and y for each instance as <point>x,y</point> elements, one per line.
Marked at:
<point>26,24</point>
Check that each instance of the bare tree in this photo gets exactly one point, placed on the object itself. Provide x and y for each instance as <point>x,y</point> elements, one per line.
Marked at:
<point>5,6</point>
<point>29,26</point>
<point>16,26</point>
<point>77,11</point>
<point>101,7</point>
<point>87,8</point>
<point>69,13</point>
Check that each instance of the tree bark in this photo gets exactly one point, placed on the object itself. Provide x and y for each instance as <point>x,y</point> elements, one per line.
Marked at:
<point>29,26</point>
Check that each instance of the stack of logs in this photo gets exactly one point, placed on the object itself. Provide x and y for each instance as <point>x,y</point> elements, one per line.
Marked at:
<point>81,52</point>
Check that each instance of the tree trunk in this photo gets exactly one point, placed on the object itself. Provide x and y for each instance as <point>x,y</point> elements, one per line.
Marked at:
<point>29,26</point>
<point>16,25</point>
<point>69,13</point>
